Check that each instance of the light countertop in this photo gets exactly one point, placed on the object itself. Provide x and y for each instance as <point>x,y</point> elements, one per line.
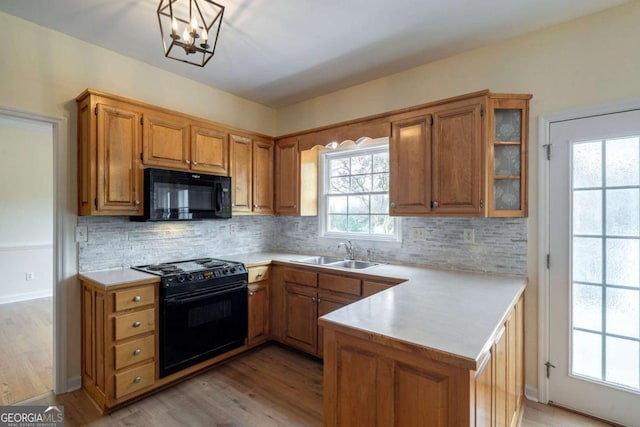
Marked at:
<point>455,313</point>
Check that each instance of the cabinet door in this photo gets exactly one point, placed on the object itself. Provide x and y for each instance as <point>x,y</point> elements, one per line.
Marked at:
<point>410,166</point>
<point>209,150</point>
<point>262,176</point>
<point>500,384</point>
<point>457,161</point>
<point>241,173</point>
<point>258,313</point>
<point>119,180</point>
<point>165,141</point>
<point>287,186</point>
<point>328,302</point>
<point>300,318</point>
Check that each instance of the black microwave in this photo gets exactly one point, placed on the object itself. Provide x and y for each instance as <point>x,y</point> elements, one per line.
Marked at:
<point>185,196</point>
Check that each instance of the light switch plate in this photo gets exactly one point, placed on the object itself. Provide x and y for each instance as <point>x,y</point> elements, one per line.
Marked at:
<point>469,235</point>
<point>81,233</point>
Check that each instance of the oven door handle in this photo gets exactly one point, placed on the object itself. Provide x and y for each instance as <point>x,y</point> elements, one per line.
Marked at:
<point>217,292</point>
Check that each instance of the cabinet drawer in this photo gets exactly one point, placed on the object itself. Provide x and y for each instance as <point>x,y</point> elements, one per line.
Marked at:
<point>135,379</point>
<point>256,274</point>
<point>133,352</point>
<point>128,325</point>
<point>301,277</point>
<point>346,285</point>
<point>134,298</point>
<point>370,288</point>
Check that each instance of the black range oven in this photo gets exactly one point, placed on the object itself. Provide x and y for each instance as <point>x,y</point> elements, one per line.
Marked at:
<point>203,310</point>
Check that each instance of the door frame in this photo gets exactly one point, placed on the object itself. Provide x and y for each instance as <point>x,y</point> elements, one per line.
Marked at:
<point>544,127</point>
<point>65,253</point>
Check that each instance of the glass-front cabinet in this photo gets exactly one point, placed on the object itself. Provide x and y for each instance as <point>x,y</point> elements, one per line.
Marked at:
<point>507,155</point>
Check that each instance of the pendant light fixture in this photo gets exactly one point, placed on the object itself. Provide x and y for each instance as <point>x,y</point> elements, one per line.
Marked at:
<point>190,29</point>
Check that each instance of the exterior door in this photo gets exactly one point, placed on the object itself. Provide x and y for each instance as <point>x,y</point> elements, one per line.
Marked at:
<point>594,274</point>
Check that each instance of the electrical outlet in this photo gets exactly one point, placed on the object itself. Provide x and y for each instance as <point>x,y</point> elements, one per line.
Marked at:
<point>418,233</point>
<point>81,234</point>
<point>469,235</point>
<point>30,275</point>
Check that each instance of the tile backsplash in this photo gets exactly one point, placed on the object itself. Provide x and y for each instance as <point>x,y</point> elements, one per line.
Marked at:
<point>500,244</point>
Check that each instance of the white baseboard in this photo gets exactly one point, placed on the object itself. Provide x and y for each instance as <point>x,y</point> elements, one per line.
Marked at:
<point>25,296</point>
<point>531,393</point>
<point>74,383</point>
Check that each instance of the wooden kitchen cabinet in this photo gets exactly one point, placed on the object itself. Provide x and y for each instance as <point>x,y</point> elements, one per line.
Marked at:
<point>296,179</point>
<point>258,288</point>
<point>118,341</point>
<point>109,153</point>
<point>466,156</point>
<point>371,381</point>
<point>166,140</point>
<point>209,149</point>
<point>252,172</point>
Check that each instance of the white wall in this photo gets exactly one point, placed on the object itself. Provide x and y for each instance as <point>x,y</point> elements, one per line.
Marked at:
<point>588,61</point>
<point>26,210</point>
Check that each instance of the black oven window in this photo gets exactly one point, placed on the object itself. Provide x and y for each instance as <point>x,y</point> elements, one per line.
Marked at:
<point>209,313</point>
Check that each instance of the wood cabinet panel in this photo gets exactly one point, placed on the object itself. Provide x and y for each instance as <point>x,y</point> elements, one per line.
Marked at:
<point>263,176</point>
<point>134,379</point>
<point>258,274</point>
<point>300,277</point>
<point>287,183</point>
<point>420,396</point>
<point>410,166</point>
<point>300,317</point>
<point>119,174</point>
<point>139,322</point>
<point>133,352</point>
<point>500,381</point>
<point>484,393</point>
<point>356,391</point>
<point>457,158</point>
<point>241,173</point>
<point>332,282</point>
<point>134,298</point>
<point>258,313</point>
<point>165,141</point>
<point>209,150</point>
<point>369,287</point>
<point>328,302</point>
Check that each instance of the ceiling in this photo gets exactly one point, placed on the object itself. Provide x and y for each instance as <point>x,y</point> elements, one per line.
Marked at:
<point>279,52</point>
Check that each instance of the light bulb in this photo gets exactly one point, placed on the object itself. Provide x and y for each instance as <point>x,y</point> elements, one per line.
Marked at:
<point>194,24</point>
<point>185,36</point>
<point>174,26</point>
<point>205,36</point>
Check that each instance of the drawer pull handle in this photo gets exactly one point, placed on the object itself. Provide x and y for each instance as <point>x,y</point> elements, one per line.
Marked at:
<point>137,324</point>
<point>259,275</point>
<point>137,351</point>
<point>137,380</point>
<point>137,298</point>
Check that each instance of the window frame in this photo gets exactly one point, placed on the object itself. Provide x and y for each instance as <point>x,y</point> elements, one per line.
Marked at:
<point>348,150</point>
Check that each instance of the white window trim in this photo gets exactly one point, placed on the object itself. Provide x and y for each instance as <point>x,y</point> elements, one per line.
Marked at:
<point>323,186</point>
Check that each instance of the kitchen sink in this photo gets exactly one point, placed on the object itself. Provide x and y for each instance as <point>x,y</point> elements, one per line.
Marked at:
<point>320,260</point>
<point>354,265</point>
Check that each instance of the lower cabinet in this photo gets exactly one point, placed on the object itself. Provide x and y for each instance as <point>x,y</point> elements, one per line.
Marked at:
<point>373,383</point>
<point>258,289</point>
<point>118,342</point>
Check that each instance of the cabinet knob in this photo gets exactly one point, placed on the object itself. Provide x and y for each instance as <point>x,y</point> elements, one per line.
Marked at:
<point>255,206</point>
<point>434,204</point>
<point>137,324</point>
<point>137,380</point>
<point>251,293</point>
<point>259,275</point>
<point>137,352</point>
<point>195,163</point>
<point>295,206</point>
<point>313,299</point>
<point>393,204</point>
<point>318,300</point>
<point>137,298</point>
<point>188,162</point>
<point>137,203</point>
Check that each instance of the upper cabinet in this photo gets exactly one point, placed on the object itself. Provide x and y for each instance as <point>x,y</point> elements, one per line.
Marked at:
<point>507,155</point>
<point>109,153</point>
<point>462,157</point>
<point>252,174</point>
<point>118,137</point>
<point>296,184</point>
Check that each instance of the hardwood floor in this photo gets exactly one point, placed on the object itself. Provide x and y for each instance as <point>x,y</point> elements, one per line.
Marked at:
<point>26,349</point>
<point>269,386</point>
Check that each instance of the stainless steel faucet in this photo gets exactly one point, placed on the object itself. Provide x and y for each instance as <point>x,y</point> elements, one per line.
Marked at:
<point>351,250</point>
